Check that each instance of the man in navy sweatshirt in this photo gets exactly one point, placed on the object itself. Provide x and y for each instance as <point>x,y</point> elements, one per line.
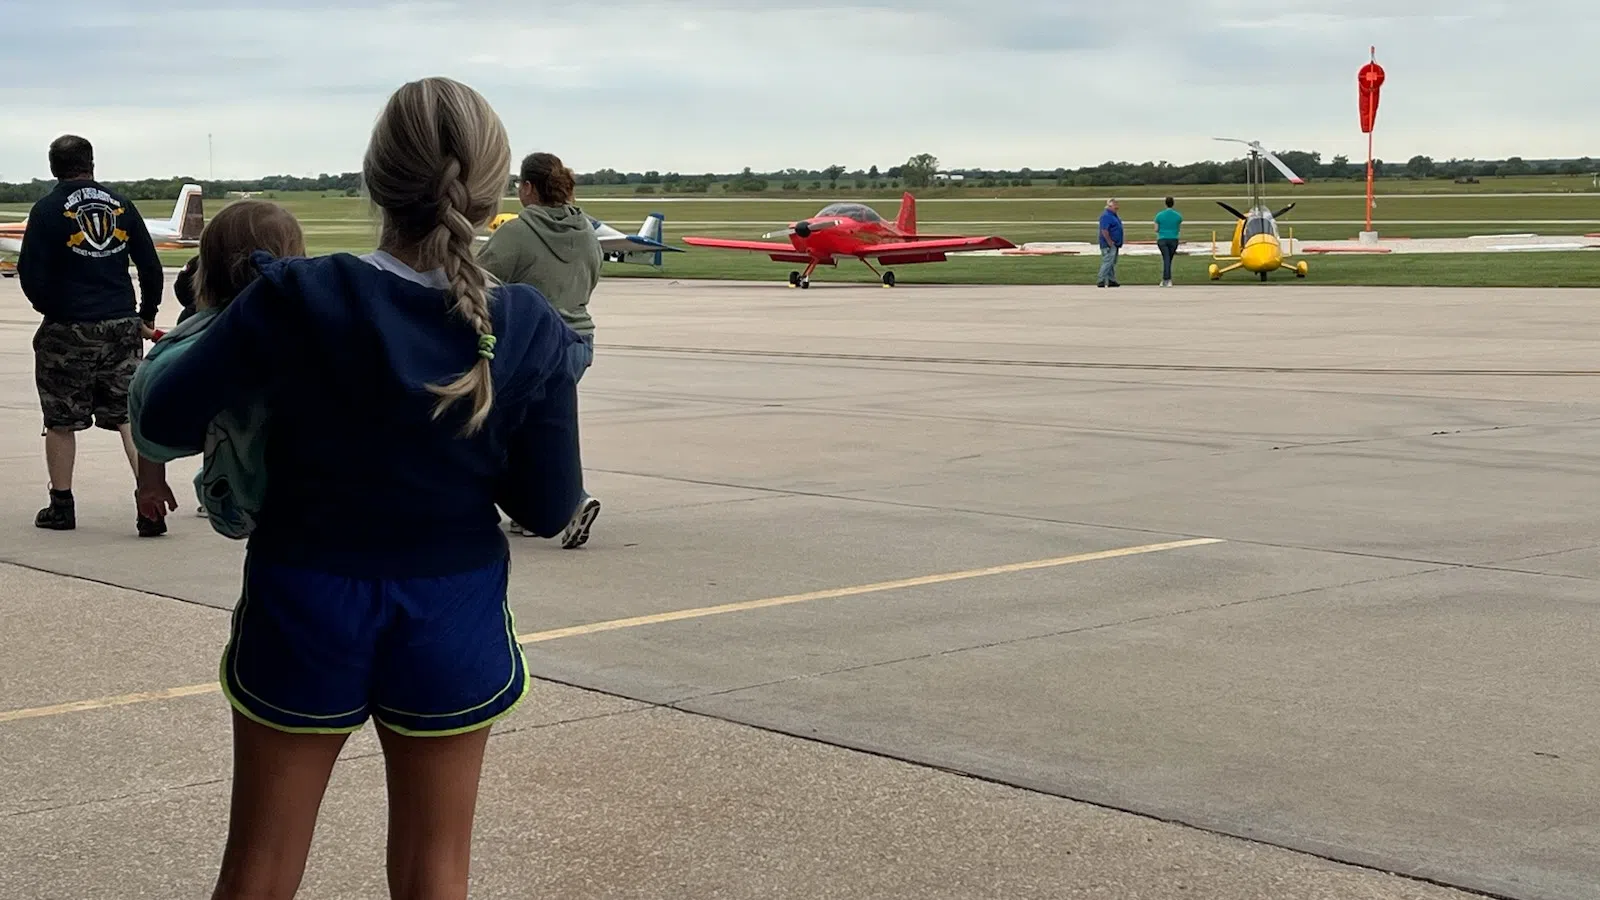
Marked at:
<point>73,266</point>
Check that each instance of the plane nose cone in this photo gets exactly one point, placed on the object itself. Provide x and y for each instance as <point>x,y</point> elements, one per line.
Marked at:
<point>803,229</point>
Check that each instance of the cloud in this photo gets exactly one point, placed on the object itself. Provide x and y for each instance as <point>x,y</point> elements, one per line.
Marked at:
<point>716,85</point>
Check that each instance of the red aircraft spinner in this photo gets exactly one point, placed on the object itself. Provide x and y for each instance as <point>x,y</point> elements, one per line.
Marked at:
<point>856,231</point>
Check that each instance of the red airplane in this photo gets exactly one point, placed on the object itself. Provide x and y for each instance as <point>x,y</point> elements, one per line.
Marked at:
<point>854,230</point>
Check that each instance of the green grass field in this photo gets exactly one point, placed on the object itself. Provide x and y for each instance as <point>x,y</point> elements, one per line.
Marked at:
<point>1323,211</point>
<point>1521,184</point>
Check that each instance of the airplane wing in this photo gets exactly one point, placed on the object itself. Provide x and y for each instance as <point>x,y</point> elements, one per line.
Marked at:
<point>938,245</point>
<point>779,252</point>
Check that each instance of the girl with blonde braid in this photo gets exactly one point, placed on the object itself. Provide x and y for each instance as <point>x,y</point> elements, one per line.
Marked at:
<point>408,399</point>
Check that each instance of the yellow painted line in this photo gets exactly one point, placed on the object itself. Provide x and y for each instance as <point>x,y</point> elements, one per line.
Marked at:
<point>856,591</point>
<point>40,712</point>
<point>191,690</point>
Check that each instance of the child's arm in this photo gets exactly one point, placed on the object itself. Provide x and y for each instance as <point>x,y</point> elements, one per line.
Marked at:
<point>544,477</point>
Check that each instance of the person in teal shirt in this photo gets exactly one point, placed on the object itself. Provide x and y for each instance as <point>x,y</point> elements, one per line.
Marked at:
<point>1168,223</point>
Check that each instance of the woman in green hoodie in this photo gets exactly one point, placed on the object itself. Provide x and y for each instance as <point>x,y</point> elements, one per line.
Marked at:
<point>551,245</point>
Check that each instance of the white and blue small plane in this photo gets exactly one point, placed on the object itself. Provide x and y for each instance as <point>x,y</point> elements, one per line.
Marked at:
<point>644,248</point>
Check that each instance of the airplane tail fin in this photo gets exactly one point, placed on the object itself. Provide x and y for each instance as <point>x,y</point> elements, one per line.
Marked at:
<point>906,222</point>
<point>651,230</point>
<point>189,214</point>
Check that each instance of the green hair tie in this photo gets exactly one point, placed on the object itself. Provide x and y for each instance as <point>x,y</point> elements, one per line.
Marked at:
<point>486,346</point>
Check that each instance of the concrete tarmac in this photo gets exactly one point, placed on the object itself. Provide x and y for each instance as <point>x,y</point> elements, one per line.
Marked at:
<point>1211,591</point>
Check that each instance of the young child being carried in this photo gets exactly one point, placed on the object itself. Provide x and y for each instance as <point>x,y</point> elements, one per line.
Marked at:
<point>232,481</point>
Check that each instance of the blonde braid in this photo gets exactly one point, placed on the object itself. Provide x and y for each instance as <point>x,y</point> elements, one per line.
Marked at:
<point>449,246</point>
<point>437,167</point>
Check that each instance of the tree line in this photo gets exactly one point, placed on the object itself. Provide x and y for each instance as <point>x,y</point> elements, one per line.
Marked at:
<point>919,171</point>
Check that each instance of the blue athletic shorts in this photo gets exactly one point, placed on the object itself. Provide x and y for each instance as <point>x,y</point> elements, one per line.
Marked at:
<point>319,653</point>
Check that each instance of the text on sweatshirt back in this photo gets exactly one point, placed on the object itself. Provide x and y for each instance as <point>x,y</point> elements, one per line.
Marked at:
<point>73,264</point>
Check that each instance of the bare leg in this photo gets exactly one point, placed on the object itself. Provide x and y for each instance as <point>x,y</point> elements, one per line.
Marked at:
<point>433,795</point>
<point>60,451</point>
<point>126,431</point>
<point>278,782</point>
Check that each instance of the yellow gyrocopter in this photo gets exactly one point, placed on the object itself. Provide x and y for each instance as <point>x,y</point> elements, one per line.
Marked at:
<point>1256,246</point>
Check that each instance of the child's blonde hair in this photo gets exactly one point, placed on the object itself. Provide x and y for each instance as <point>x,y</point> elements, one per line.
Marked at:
<point>223,269</point>
<point>437,167</point>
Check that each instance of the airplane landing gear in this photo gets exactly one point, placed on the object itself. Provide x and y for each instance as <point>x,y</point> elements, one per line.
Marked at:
<point>794,279</point>
<point>1263,275</point>
<point>886,276</point>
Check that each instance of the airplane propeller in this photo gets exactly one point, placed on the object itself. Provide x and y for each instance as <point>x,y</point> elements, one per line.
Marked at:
<point>803,228</point>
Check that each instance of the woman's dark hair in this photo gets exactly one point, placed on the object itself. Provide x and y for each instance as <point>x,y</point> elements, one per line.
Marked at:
<point>240,229</point>
<point>552,182</point>
<point>1169,201</point>
<point>71,157</point>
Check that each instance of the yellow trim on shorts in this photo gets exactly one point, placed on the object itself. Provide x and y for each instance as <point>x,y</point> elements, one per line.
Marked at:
<point>527,680</point>
<point>241,709</point>
<point>511,644</point>
<point>235,628</point>
<point>479,726</point>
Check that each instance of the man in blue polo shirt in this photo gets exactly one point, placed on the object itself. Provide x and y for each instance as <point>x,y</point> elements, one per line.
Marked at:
<point>1110,244</point>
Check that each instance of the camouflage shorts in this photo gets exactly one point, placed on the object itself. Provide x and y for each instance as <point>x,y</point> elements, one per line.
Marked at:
<point>83,370</point>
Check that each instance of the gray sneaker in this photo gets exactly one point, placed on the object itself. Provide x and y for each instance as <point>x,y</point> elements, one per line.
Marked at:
<point>577,531</point>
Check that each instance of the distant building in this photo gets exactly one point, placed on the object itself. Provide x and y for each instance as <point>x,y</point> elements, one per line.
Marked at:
<point>948,176</point>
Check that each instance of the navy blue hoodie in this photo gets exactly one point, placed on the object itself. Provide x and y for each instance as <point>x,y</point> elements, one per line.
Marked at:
<point>361,479</point>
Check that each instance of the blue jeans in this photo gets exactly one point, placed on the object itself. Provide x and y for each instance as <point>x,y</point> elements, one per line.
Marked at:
<point>1169,249</point>
<point>580,357</point>
<point>1108,265</point>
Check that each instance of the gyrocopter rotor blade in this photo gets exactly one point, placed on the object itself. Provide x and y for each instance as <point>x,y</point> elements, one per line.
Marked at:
<point>1278,164</point>
<point>1255,147</point>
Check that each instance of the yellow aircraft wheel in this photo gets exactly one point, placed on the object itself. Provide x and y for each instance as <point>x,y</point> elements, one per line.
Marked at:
<point>1300,269</point>
<point>1214,272</point>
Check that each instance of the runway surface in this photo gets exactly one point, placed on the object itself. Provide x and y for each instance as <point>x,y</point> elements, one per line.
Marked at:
<point>1313,568</point>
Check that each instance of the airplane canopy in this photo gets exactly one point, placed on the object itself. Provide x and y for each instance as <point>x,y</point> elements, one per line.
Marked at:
<point>857,211</point>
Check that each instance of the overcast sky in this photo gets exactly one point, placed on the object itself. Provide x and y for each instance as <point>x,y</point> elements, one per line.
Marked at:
<point>713,85</point>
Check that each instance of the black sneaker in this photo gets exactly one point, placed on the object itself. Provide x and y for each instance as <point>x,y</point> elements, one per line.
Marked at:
<point>151,527</point>
<point>60,515</point>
